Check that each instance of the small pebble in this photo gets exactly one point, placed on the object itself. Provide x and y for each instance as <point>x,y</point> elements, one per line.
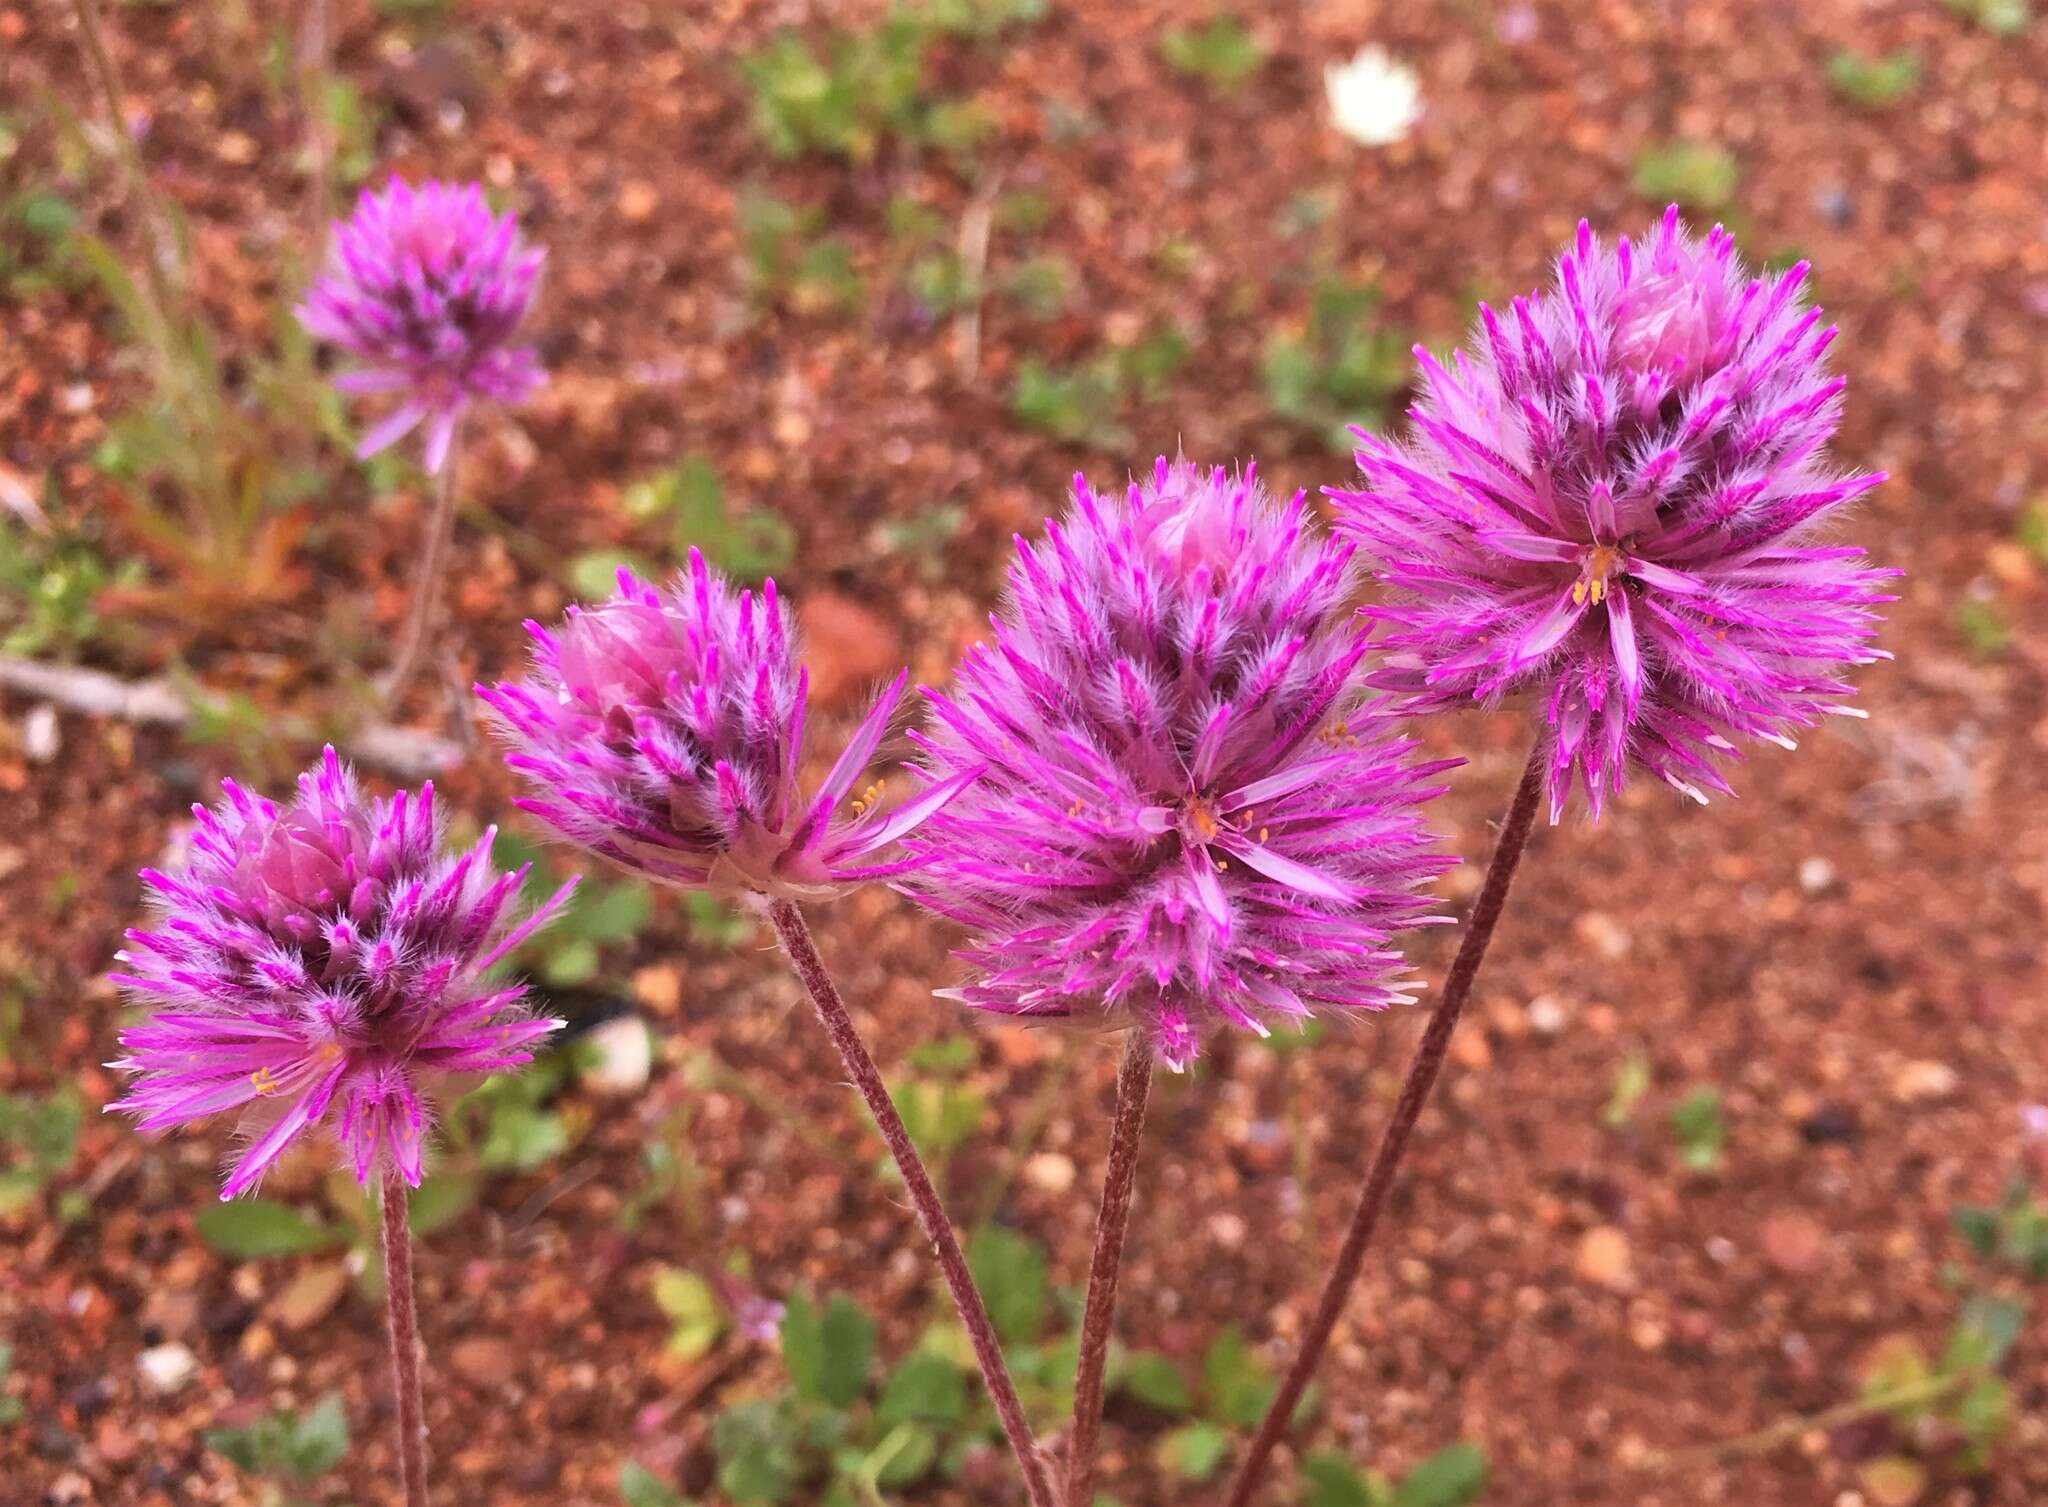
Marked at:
<point>1816,876</point>
<point>166,1368</point>
<point>41,736</point>
<point>1925,1082</point>
<point>1794,1244</point>
<point>1604,1258</point>
<point>1546,1015</point>
<point>1050,1172</point>
<point>622,1056</point>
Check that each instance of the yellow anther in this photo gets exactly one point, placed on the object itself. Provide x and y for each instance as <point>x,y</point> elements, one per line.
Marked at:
<point>1592,583</point>
<point>262,1081</point>
<point>1222,864</point>
<point>1203,818</point>
<point>1262,833</point>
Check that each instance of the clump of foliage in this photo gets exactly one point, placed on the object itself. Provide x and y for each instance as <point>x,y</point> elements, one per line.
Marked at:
<point>1700,1128</point>
<point>289,1451</point>
<point>51,582</point>
<point>1343,368</point>
<point>2006,18</point>
<point>680,508</point>
<point>790,263</point>
<point>2014,1231</point>
<point>38,1140</point>
<point>1873,83</point>
<point>851,91</point>
<point>1078,403</point>
<point>1222,53</point>
<point>1699,175</point>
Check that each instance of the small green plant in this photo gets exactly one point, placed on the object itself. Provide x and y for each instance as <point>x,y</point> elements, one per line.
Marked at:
<point>939,1109</point>
<point>2014,1231</point>
<point>2032,531</point>
<point>791,264</point>
<point>1983,627</point>
<point>602,918</point>
<point>980,18</point>
<point>11,1407</point>
<point>36,226</point>
<point>1040,287</point>
<point>696,1317</point>
<point>1699,175</point>
<point>1452,1477</point>
<point>1223,54</point>
<point>1700,1128</point>
<point>641,1487</point>
<point>1235,1388</point>
<point>2007,18</point>
<point>288,1450</point>
<point>38,1140</point>
<point>1873,83</point>
<point>843,98</point>
<point>1077,403</point>
<point>50,588</point>
<point>1343,368</point>
<point>1631,1082</point>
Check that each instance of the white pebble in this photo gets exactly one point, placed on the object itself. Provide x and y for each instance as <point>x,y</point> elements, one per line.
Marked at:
<point>622,1055</point>
<point>1816,875</point>
<point>166,1368</point>
<point>41,737</point>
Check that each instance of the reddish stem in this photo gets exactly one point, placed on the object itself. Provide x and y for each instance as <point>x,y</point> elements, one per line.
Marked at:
<point>405,1340</point>
<point>1133,1088</point>
<point>795,936</point>
<point>426,591</point>
<point>1422,1074</point>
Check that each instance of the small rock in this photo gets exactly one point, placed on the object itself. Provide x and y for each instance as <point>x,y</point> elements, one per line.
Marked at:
<point>236,147</point>
<point>41,735</point>
<point>486,1360</point>
<point>310,1296</point>
<point>1546,1015</point>
<point>1925,1082</point>
<point>659,987</point>
<point>1816,876</point>
<point>852,648</point>
<point>1831,1122</point>
<point>166,1368</point>
<point>1228,1230</point>
<point>1794,1244</point>
<point>1471,1052</point>
<point>622,1056</point>
<point>1604,1259</point>
<point>638,201</point>
<point>1050,1172</point>
<point>1603,933</point>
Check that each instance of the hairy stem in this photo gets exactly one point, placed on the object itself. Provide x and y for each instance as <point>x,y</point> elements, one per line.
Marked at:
<point>427,587</point>
<point>795,936</point>
<point>405,1340</point>
<point>1133,1088</point>
<point>1422,1074</point>
<point>160,254</point>
<point>315,53</point>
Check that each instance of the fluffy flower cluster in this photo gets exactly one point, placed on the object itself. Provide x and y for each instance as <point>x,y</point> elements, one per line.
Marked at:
<point>327,955</point>
<point>1190,816</point>
<point>1612,502</point>
<point>663,730</point>
<point>427,287</point>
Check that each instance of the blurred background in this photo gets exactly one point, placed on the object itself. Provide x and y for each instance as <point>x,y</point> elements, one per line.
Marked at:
<point>1737,1188</point>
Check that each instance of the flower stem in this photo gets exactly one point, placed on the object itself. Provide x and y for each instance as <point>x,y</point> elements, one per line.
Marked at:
<point>405,1340</point>
<point>427,587</point>
<point>1422,1074</point>
<point>1133,1088</point>
<point>160,255</point>
<point>795,936</point>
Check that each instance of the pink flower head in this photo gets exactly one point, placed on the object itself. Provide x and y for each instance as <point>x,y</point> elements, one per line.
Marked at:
<point>1612,502</point>
<point>663,729</point>
<point>428,287</point>
<point>1191,815</point>
<point>327,956</point>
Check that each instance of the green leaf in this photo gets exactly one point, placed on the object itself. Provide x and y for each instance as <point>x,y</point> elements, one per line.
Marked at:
<point>924,1388</point>
<point>756,1445</point>
<point>1701,1130</point>
<point>696,1316</point>
<point>641,1487</point>
<point>1979,1227</point>
<point>827,1354</point>
<point>1193,1451</point>
<point>521,1138</point>
<point>1451,1477</point>
<point>1239,1382</point>
<point>594,573</point>
<point>610,913</point>
<point>251,1229</point>
<point>1984,1332</point>
<point>1631,1082</point>
<point>1010,1271</point>
<point>1156,1381</point>
<point>440,1200</point>
<point>1699,175</point>
<point>319,1439</point>
<point>905,1455</point>
<point>1334,1481</point>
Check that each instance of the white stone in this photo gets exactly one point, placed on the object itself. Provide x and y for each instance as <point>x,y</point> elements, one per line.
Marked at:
<point>41,736</point>
<point>1374,99</point>
<point>166,1368</point>
<point>621,1055</point>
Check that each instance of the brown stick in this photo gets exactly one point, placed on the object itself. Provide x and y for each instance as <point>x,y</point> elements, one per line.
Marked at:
<point>1133,1088</point>
<point>427,588</point>
<point>797,942</point>
<point>1379,1178</point>
<point>405,1340</point>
